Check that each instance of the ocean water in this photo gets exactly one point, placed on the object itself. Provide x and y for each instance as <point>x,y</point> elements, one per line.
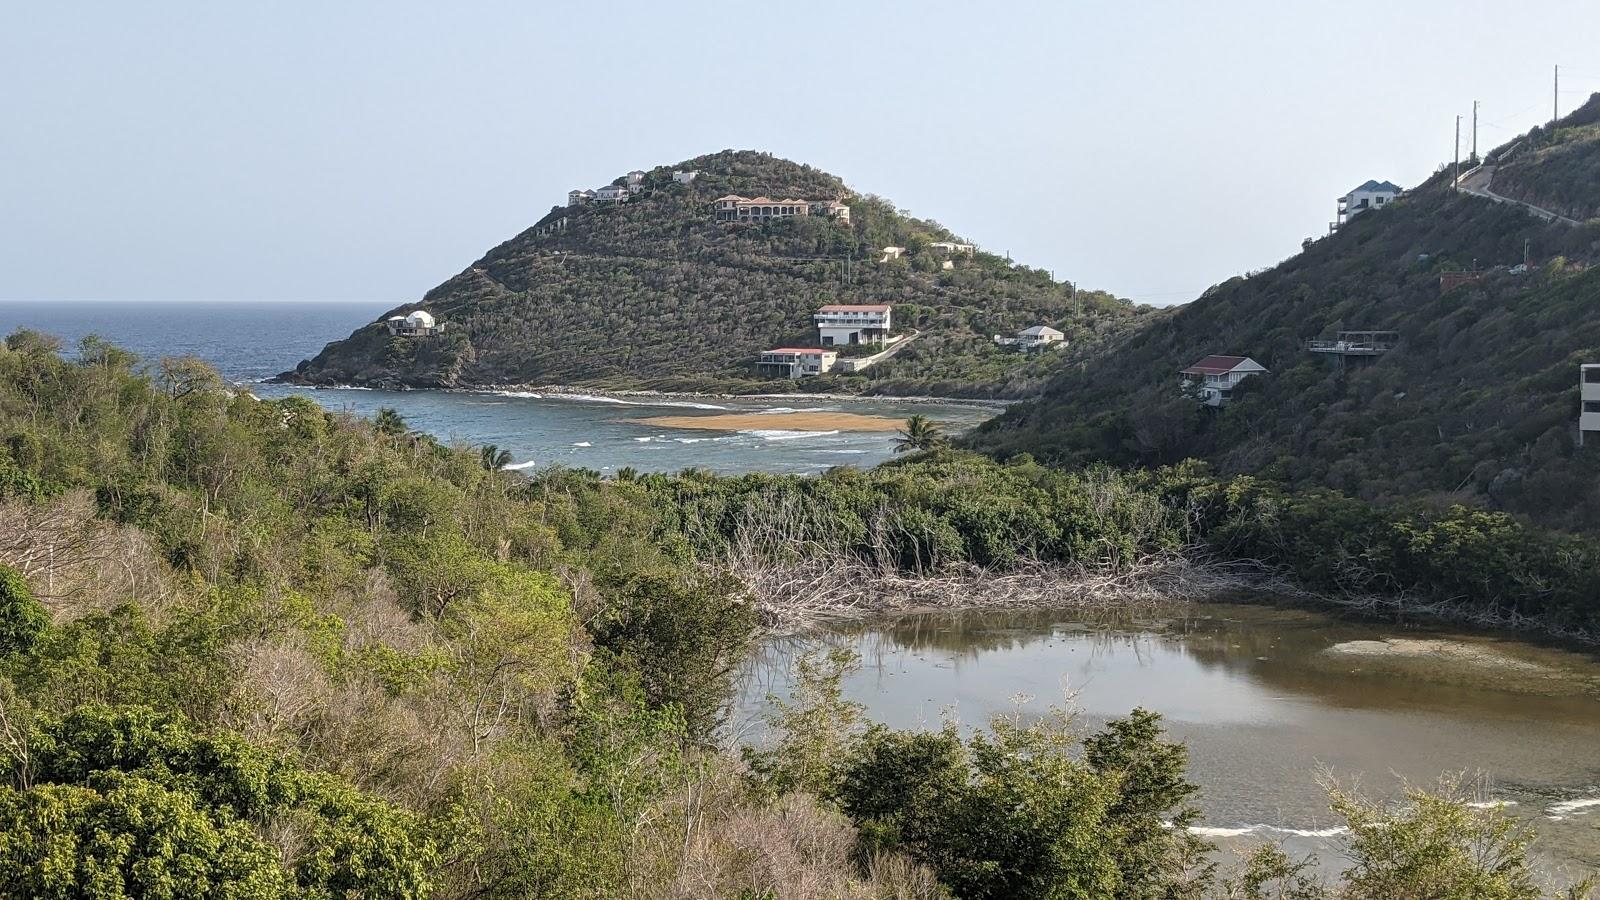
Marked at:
<point>249,342</point>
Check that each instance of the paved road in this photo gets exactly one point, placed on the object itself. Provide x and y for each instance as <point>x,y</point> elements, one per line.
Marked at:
<point>1477,183</point>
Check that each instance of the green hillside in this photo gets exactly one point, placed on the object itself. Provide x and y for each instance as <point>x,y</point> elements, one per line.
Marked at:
<point>655,293</point>
<point>1478,402</point>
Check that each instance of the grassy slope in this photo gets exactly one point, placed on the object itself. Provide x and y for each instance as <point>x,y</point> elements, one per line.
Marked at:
<point>1477,405</point>
<point>655,293</point>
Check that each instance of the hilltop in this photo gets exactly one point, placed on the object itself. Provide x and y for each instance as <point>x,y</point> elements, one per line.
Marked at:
<point>1477,403</point>
<point>655,292</point>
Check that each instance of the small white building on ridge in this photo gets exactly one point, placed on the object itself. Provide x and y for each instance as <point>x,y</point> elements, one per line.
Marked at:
<point>1216,376</point>
<point>843,324</point>
<point>683,177</point>
<point>796,362</point>
<point>419,323</point>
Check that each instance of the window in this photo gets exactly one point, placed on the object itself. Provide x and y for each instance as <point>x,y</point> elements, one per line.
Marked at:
<point>1380,201</point>
<point>1591,406</point>
<point>1591,376</point>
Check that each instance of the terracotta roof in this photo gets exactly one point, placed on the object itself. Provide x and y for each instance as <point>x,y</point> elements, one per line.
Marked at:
<point>845,307</point>
<point>1214,365</point>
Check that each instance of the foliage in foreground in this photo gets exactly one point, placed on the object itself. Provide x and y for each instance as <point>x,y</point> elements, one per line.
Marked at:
<point>254,649</point>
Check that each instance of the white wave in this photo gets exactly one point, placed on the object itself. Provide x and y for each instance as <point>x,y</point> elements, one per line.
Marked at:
<point>644,440</point>
<point>690,440</point>
<point>521,465</point>
<point>347,387</point>
<point>591,398</point>
<point>849,452</point>
<point>778,434</point>
<point>1568,807</point>
<point>583,444</point>
<point>682,404</point>
<point>779,410</point>
<point>1239,831</point>
<point>523,395</point>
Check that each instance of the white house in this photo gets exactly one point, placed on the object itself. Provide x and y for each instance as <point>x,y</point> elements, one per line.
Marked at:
<point>612,193</point>
<point>635,177</point>
<point>796,362</point>
<point>1039,336</point>
<point>950,248</point>
<point>575,197</point>
<point>841,324</point>
<point>1371,195</point>
<point>1216,376</point>
<point>418,324</point>
<point>682,177</point>
<point>1589,401</point>
<point>832,208</point>
<point>892,253</point>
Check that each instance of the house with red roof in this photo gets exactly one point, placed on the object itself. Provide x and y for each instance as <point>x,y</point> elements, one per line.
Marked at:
<point>796,362</point>
<point>1215,377</point>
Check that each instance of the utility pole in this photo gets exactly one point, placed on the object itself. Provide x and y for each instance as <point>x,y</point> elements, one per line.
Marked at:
<point>1555,100</point>
<point>1457,183</point>
<point>1474,132</point>
<point>1525,243</point>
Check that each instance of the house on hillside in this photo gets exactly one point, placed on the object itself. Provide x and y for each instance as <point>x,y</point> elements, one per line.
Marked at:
<point>1038,337</point>
<point>892,253</point>
<point>683,177</point>
<point>612,193</point>
<point>577,196</point>
<point>1216,376</point>
<point>844,324</point>
<point>1589,401</point>
<point>950,248</point>
<point>796,362</point>
<point>1370,195</point>
<point>418,324</point>
<point>734,208</point>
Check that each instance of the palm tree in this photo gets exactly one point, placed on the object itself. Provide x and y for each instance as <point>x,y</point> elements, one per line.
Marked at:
<point>919,433</point>
<point>389,422</point>
<point>494,458</point>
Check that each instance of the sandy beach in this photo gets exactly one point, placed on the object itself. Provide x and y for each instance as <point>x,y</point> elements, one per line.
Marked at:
<point>797,421</point>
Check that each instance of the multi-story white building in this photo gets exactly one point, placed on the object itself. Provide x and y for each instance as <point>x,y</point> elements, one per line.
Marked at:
<point>950,248</point>
<point>682,177</point>
<point>1216,376</point>
<point>796,362</point>
<point>842,324</point>
<point>1371,195</point>
<point>1589,402</point>
<point>577,196</point>
<point>612,193</point>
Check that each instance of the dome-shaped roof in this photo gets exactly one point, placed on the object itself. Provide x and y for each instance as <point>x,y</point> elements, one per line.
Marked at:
<point>421,317</point>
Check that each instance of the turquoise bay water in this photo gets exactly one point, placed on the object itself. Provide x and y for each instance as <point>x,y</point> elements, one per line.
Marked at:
<point>249,342</point>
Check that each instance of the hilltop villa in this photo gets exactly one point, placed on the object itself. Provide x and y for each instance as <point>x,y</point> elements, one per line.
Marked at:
<point>418,324</point>
<point>950,248</point>
<point>734,208</point>
<point>1216,376</point>
<point>682,177</point>
<point>1371,195</point>
<point>796,362</point>
<point>842,324</point>
<point>1038,337</point>
<point>632,183</point>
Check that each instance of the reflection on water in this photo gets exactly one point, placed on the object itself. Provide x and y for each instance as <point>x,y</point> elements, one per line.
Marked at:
<point>1263,702</point>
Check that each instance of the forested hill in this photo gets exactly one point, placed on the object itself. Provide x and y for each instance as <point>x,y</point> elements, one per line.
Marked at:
<point>1478,403</point>
<point>655,293</point>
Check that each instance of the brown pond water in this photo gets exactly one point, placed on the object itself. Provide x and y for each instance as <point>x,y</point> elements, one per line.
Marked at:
<point>1265,699</point>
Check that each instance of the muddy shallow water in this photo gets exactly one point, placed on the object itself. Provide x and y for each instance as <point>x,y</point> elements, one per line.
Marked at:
<point>1265,699</point>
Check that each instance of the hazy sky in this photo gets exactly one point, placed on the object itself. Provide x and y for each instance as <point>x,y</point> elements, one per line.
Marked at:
<point>188,150</point>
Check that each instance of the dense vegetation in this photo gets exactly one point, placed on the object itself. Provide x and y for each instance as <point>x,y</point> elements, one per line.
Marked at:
<point>1477,405</point>
<point>655,293</point>
<point>1556,169</point>
<point>255,649</point>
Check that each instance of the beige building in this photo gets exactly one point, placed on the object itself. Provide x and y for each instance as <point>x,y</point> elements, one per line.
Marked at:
<point>796,362</point>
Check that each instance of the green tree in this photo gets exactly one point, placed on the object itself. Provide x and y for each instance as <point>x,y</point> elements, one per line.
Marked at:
<point>494,458</point>
<point>23,619</point>
<point>919,433</point>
